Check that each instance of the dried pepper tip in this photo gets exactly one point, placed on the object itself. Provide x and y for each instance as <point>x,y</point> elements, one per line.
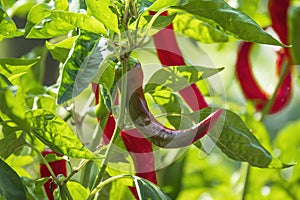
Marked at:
<point>58,167</point>
<point>146,123</point>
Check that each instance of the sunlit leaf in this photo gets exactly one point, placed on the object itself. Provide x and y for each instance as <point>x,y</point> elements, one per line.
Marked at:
<point>56,134</point>
<point>14,67</point>
<point>77,191</point>
<point>58,23</point>
<point>84,46</point>
<point>177,78</point>
<point>225,18</point>
<point>8,28</point>
<point>101,10</point>
<point>11,186</point>
<point>60,51</point>
<point>197,29</point>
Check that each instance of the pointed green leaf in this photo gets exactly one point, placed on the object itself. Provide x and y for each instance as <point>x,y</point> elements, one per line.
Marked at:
<point>91,65</point>
<point>8,28</point>
<point>84,45</point>
<point>147,190</point>
<point>238,143</point>
<point>101,10</point>
<point>11,186</point>
<point>225,18</point>
<point>58,23</point>
<point>77,191</point>
<point>56,134</point>
<point>177,78</point>
<point>199,30</point>
<point>159,4</point>
<point>14,67</point>
<point>60,51</point>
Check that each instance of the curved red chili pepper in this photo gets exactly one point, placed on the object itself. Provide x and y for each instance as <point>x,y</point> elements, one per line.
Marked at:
<point>146,123</point>
<point>58,167</point>
<point>251,89</point>
<point>170,54</point>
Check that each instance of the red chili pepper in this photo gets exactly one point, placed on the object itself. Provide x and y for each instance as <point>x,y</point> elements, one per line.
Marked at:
<point>146,123</point>
<point>251,89</point>
<point>140,150</point>
<point>58,167</point>
<point>170,54</point>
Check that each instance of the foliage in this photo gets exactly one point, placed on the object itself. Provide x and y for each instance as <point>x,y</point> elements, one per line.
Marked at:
<point>106,51</point>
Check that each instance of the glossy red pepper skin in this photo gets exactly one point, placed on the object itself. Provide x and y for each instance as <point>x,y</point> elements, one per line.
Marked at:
<point>141,152</point>
<point>58,167</point>
<point>146,123</point>
<point>250,87</point>
<point>170,54</point>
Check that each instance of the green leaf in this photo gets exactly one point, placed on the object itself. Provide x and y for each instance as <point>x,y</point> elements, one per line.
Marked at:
<point>229,20</point>
<point>106,72</point>
<point>84,45</point>
<point>190,26</point>
<point>56,134</point>
<point>147,190</point>
<point>159,4</point>
<point>60,51</point>
<point>294,32</point>
<point>8,28</point>
<point>238,143</point>
<point>77,191</point>
<point>161,21</point>
<point>11,107</point>
<point>9,144</point>
<point>58,23</point>
<point>35,188</point>
<point>177,78</point>
<point>101,11</point>
<point>90,66</point>
<point>11,186</point>
<point>13,68</point>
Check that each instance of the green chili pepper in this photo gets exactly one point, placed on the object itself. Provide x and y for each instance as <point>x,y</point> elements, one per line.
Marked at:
<point>146,123</point>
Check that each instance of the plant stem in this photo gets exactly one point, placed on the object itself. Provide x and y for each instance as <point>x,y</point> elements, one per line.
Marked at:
<point>270,102</point>
<point>107,181</point>
<point>246,183</point>
<point>120,122</point>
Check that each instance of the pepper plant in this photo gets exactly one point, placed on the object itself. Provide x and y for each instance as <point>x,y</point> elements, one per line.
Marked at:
<point>114,126</point>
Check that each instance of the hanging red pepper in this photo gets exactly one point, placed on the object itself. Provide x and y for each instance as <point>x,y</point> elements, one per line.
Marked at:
<point>252,90</point>
<point>278,10</point>
<point>170,54</point>
<point>141,152</point>
<point>58,167</point>
<point>155,132</point>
